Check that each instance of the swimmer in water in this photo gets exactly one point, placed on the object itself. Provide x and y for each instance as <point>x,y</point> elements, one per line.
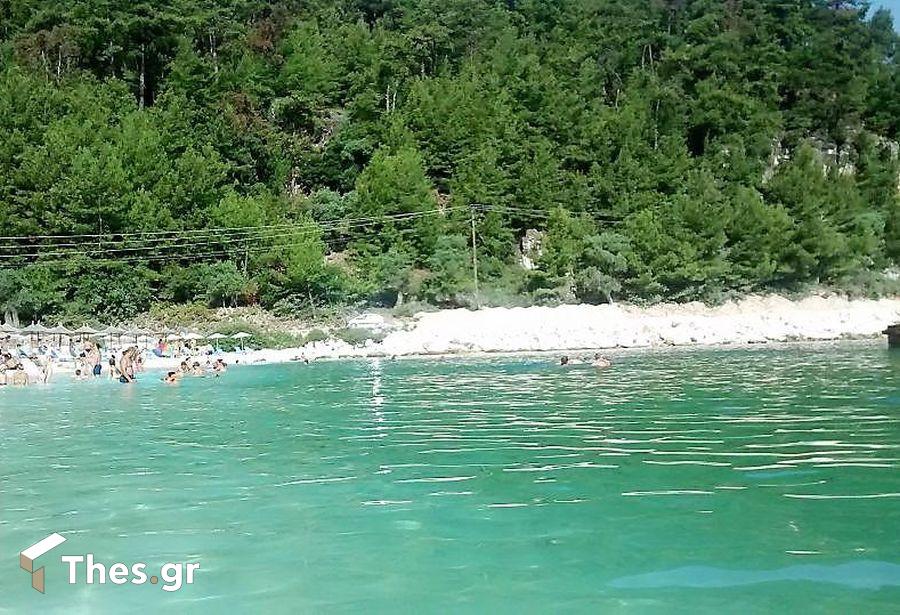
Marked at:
<point>566,361</point>
<point>600,362</point>
<point>172,378</point>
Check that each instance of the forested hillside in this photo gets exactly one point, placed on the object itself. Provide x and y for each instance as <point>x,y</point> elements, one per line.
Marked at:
<point>296,153</point>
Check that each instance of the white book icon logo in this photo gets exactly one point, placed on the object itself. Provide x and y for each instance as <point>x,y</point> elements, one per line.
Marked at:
<point>29,555</point>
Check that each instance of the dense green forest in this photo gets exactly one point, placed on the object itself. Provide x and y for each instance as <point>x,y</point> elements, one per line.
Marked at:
<point>307,153</point>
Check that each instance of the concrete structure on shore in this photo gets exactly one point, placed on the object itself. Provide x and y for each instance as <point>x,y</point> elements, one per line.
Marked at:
<point>893,333</point>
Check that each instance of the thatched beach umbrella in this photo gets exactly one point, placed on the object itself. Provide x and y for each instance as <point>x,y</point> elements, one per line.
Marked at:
<point>36,329</point>
<point>110,332</point>
<point>84,330</point>
<point>141,335</point>
<point>60,331</point>
<point>8,333</point>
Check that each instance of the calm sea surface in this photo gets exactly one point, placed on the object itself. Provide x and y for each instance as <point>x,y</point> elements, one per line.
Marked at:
<point>685,481</point>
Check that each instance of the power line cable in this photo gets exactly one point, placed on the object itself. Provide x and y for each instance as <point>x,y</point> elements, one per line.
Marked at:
<point>343,238</point>
<point>307,229</point>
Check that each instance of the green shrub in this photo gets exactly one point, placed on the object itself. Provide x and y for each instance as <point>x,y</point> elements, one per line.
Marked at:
<point>261,338</point>
<point>869,284</point>
<point>316,335</point>
<point>410,308</point>
<point>181,314</point>
<point>356,336</point>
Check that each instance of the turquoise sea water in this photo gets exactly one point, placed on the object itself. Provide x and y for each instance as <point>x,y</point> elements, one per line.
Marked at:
<point>682,481</point>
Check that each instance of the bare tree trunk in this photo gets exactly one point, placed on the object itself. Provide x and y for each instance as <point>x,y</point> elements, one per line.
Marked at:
<point>142,87</point>
<point>656,126</point>
<point>212,50</point>
<point>11,316</point>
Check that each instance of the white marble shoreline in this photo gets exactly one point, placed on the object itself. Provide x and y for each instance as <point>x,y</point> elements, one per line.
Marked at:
<point>754,320</point>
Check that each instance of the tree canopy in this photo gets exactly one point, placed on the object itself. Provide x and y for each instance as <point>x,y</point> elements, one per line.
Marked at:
<point>295,154</point>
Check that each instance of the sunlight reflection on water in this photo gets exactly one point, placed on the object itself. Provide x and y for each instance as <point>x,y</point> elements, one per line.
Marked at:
<point>473,484</point>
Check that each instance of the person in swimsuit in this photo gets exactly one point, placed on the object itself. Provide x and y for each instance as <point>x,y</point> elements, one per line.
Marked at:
<point>92,358</point>
<point>47,369</point>
<point>126,366</point>
<point>565,360</point>
<point>9,368</point>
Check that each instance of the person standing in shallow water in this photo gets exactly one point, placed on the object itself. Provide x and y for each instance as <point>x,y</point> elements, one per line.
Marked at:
<point>93,359</point>
<point>126,365</point>
<point>113,371</point>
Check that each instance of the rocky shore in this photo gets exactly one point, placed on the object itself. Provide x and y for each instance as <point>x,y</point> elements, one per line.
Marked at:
<point>753,320</point>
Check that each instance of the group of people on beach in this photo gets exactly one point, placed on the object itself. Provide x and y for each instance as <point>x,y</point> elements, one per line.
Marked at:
<point>12,371</point>
<point>23,364</point>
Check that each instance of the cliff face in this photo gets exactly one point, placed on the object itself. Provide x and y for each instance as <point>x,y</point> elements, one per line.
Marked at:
<point>844,157</point>
<point>530,248</point>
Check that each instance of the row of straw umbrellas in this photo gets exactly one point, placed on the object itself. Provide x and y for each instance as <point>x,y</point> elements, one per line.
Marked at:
<point>85,331</point>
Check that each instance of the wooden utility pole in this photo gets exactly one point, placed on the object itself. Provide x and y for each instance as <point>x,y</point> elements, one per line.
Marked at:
<point>474,253</point>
